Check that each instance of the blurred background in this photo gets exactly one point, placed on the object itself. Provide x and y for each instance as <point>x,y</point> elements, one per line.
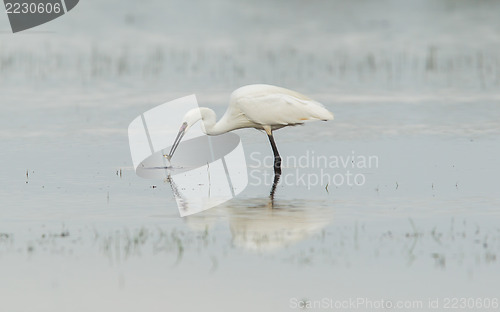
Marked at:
<point>414,82</point>
<point>321,46</point>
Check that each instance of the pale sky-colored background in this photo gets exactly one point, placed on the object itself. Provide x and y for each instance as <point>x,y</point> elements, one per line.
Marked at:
<point>414,82</point>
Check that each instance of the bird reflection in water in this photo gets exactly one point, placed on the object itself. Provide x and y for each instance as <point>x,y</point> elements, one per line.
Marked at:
<point>184,203</point>
<point>263,224</point>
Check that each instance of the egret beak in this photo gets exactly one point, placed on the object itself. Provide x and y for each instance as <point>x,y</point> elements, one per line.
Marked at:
<point>178,139</point>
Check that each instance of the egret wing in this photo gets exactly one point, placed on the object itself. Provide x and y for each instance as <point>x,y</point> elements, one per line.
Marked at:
<point>281,109</point>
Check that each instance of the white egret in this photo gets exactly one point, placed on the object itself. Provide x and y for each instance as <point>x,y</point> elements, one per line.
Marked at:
<point>259,106</point>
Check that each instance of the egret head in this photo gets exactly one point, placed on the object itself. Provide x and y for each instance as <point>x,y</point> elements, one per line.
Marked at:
<point>191,117</point>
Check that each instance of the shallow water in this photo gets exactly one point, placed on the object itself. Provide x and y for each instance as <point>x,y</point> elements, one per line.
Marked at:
<point>415,85</point>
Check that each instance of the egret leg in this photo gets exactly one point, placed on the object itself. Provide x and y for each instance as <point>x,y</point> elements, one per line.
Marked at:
<point>273,188</point>
<point>277,158</point>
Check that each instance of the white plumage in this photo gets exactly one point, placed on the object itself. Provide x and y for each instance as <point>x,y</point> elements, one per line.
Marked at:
<point>259,106</point>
